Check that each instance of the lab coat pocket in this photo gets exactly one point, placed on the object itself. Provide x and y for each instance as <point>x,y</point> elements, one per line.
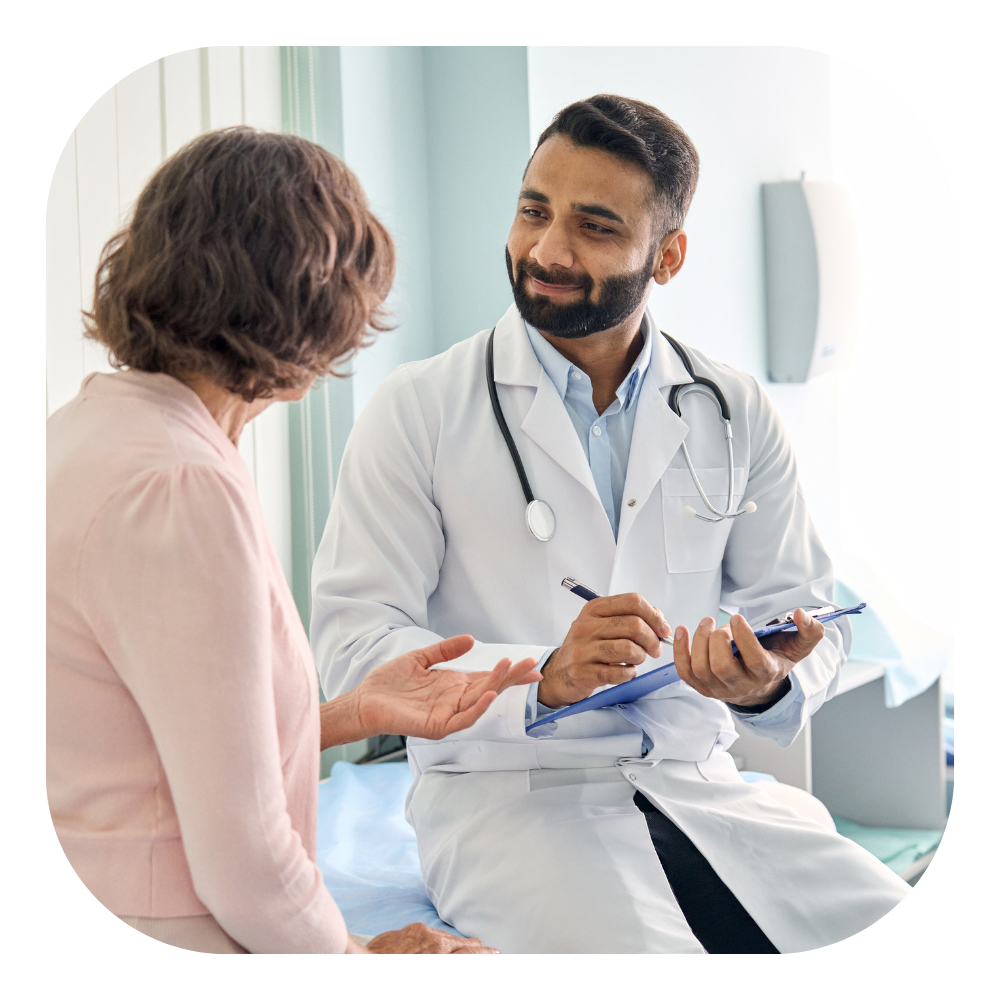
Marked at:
<point>693,545</point>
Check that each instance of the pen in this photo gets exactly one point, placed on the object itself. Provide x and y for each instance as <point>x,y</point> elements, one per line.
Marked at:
<point>582,590</point>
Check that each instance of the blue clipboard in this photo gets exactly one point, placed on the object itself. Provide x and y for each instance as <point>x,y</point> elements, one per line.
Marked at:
<point>639,687</point>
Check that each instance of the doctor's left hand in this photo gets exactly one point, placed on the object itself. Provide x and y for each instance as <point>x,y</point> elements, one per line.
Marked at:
<point>758,674</point>
<point>406,697</point>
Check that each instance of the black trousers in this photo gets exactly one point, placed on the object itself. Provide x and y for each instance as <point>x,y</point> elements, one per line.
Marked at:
<point>716,917</point>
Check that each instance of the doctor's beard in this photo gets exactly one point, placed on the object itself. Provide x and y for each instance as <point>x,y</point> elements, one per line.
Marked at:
<point>620,296</point>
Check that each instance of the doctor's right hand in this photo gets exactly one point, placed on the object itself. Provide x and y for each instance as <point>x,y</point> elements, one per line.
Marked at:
<point>609,638</point>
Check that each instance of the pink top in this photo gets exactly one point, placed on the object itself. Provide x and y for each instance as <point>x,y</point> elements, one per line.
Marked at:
<point>183,719</point>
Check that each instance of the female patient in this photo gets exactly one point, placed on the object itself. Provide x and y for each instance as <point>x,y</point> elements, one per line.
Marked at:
<point>184,728</point>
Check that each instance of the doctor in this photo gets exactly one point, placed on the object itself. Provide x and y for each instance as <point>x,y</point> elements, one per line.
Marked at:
<point>626,829</point>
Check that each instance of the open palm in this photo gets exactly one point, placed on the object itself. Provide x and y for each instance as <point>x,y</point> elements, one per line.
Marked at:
<point>406,697</point>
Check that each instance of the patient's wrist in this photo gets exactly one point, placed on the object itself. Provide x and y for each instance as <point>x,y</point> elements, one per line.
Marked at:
<point>340,721</point>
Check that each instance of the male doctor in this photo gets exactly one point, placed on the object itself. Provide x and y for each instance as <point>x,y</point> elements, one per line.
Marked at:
<point>623,829</point>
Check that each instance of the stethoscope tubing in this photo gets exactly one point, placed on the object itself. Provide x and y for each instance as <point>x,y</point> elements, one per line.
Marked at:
<point>698,384</point>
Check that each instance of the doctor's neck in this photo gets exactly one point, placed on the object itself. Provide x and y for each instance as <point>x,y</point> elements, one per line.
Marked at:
<point>605,357</point>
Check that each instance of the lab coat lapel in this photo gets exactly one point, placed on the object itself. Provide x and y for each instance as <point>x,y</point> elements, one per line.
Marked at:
<point>546,423</point>
<point>657,432</point>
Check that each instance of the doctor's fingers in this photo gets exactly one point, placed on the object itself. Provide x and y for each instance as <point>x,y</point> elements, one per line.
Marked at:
<point>611,673</point>
<point>630,627</point>
<point>798,645</point>
<point>616,651</point>
<point>758,661</point>
<point>682,661</point>
<point>699,663</point>
<point>729,674</point>
<point>629,605</point>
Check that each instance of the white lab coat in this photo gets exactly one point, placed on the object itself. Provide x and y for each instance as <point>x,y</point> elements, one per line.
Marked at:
<point>533,843</point>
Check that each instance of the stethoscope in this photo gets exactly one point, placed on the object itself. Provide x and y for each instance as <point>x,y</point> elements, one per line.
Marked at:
<point>539,516</point>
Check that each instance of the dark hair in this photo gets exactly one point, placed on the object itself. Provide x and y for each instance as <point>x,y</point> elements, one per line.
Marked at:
<point>637,133</point>
<point>251,257</point>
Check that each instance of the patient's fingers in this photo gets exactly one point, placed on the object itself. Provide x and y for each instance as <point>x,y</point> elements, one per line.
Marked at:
<point>446,649</point>
<point>522,672</point>
<point>464,719</point>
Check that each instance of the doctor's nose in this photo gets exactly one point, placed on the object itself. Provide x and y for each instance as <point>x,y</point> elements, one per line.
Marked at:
<point>553,250</point>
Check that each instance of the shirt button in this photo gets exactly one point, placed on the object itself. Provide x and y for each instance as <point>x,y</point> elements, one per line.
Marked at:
<point>597,432</point>
<point>577,376</point>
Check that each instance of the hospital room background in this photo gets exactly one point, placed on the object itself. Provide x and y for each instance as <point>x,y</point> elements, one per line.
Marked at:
<point>439,137</point>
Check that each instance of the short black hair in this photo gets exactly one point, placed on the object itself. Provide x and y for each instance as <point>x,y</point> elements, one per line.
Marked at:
<point>637,133</point>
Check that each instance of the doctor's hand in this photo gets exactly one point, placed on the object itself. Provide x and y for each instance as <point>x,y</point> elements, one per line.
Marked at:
<point>757,675</point>
<point>609,638</point>
<point>406,697</point>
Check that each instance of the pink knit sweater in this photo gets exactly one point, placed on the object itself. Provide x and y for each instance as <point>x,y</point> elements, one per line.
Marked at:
<point>183,723</point>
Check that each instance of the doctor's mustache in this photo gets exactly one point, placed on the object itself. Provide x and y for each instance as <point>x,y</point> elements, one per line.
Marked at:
<point>558,276</point>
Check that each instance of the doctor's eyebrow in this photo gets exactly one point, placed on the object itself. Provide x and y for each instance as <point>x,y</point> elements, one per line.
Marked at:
<point>530,194</point>
<point>599,210</point>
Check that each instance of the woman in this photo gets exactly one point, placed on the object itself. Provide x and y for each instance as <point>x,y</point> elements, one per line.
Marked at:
<point>184,728</point>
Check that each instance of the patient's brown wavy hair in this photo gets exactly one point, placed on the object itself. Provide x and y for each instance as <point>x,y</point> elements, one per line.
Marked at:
<point>251,257</point>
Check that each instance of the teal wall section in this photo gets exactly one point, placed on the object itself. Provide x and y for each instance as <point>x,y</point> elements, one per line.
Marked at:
<point>478,144</point>
<point>385,144</point>
<point>438,138</point>
<point>312,106</point>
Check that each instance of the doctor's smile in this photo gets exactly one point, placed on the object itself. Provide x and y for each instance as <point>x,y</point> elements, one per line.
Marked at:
<point>574,438</point>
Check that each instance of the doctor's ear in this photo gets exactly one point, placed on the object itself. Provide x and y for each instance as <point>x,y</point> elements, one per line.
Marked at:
<point>670,256</point>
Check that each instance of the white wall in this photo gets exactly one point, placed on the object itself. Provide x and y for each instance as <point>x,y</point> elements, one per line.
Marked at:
<point>128,132</point>
<point>896,421</point>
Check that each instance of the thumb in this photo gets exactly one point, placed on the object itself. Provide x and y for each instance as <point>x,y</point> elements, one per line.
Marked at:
<point>446,649</point>
<point>801,643</point>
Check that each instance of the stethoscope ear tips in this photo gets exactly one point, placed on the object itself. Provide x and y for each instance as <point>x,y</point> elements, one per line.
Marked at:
<point>689,512</point>
<point>749,507</point>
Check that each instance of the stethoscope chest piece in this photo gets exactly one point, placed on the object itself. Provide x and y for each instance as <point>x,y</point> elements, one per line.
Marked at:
<point>541,520</point>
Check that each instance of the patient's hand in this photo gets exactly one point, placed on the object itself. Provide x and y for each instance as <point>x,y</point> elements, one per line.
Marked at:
<point>406,697</point>
<point>419,939</point>
<point>757,674</point>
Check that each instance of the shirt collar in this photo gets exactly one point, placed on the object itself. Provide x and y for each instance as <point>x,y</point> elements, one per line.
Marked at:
<point>560,368</point>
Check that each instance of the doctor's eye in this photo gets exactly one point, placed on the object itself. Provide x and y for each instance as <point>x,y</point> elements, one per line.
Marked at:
<point>595,228</point>
<point>531,213</point>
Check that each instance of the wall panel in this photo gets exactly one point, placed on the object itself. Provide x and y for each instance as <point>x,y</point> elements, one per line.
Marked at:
<point>140,147</point>
<point>99,212</point>
<point>262,86</point>
<point>63,326</point>
<point>225,86</point>
<point>182,99</point>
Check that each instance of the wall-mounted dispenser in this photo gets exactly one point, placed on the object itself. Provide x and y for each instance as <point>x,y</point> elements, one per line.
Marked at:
<point>813,278</point>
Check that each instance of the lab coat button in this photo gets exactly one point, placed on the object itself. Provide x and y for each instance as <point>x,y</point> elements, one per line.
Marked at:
<point>631,503</point>
<point>631,777</point>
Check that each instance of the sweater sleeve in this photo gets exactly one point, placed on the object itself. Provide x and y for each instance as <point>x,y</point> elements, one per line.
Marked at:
<point>173,581</point>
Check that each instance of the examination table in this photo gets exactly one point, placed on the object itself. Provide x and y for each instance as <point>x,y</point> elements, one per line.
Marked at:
<point>367,851</point>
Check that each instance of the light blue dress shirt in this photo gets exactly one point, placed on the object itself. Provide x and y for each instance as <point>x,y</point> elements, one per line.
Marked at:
<point>606,439</point>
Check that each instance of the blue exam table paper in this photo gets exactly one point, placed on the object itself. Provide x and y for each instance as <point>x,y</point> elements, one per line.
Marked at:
<point>629,691</point>
<point>367,852</point>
